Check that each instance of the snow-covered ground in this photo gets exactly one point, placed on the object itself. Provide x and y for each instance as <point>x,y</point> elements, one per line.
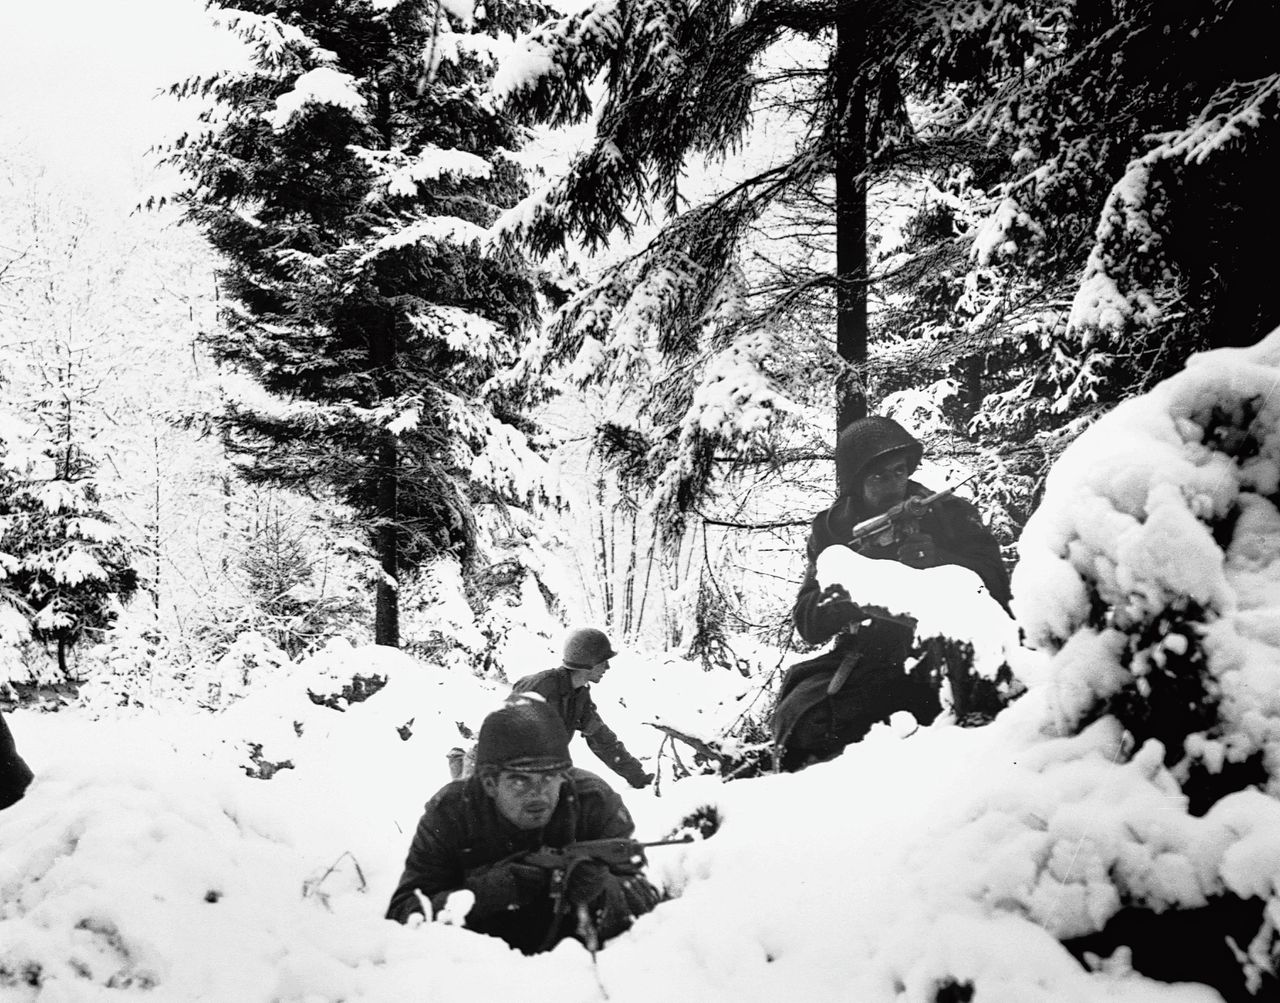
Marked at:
<point>948,864</point>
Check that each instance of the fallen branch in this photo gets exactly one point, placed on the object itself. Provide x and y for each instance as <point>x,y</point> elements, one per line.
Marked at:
<point>696,743</point>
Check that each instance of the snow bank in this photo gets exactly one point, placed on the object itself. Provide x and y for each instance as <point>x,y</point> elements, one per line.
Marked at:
<point>950,864</point>
<point>149,866</point>
<point>948,601</point>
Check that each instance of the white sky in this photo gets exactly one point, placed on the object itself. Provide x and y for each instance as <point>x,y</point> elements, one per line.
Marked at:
<point>79,78</point>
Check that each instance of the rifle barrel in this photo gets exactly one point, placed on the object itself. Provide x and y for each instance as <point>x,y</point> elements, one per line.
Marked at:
<point>686,838</point>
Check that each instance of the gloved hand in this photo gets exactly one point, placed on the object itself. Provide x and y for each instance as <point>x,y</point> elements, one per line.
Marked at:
<point>586,882</point>
<point>918,551</point>
<point>531,881</point>
<point>834,611</point>
<point>505,885</point>
<point>642,781</point>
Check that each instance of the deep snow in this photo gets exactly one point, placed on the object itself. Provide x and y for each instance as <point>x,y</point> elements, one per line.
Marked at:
<point>143,858</point>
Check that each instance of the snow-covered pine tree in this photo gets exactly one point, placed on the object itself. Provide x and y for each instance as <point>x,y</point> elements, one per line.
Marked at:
<point>348,177</point>
<point>1111,226</point>
<point>60,555</point>
<point>793,105</point>
<point>765,291</point>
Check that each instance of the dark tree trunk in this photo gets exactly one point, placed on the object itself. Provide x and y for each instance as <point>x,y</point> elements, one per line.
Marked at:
<point>386,624</point>
<point>387,616</point>
<point>851,218</point>
<point>62,659</point>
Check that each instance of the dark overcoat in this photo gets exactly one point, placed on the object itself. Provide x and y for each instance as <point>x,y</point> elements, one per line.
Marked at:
<point>578,712</point>
<point>808,722</point>
<point>461,838</point>
<point>15,775</point>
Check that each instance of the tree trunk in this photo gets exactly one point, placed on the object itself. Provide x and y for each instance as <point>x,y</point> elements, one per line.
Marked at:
<point>851,217</point>
<point>606,571</point>
<point>387,616</point>
<point>382,353</point>
<point>63,674</point>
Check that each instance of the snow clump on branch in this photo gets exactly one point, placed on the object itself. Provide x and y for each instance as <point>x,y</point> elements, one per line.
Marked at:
<point>323,85</point>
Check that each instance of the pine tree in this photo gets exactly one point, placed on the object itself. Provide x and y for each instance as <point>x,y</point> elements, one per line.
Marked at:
<point>60,555</point>
<point>1107,229</point>
<point>753,278</point>
<point>1087,183</point>
<point>348,177</point>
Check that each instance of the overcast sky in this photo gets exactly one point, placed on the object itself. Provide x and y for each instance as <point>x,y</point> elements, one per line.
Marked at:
<point>78,79</point>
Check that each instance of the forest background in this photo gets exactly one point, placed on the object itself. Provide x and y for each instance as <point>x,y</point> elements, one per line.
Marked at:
<point>638,268</point>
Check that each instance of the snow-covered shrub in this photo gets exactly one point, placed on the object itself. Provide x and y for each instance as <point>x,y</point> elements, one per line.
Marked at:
<point>1151,572</point>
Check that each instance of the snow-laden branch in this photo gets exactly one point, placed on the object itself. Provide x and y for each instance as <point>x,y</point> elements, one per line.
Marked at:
<point>547,74</point>
<point>402,173</point>
<point>320,86</point>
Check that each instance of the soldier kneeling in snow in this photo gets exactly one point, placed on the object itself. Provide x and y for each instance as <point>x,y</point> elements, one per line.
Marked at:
<point>567,688</point>
<point>502,834</point>
<point>829,701</point>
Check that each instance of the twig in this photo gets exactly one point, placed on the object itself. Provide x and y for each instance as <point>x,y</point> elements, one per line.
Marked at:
<point>696,743</point>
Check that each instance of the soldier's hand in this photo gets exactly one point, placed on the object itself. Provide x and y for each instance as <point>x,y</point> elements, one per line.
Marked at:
<point>531,881</point>
<point>835,610</point>
<point>918,551</point>
<point>642,781</point>
<point>586,882</point>
<point>506,885</point>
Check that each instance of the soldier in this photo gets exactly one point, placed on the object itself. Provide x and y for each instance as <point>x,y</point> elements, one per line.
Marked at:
<point>15,775</point>
<point>829,701</point>
<point>567,689</point>
<point>496,834</point>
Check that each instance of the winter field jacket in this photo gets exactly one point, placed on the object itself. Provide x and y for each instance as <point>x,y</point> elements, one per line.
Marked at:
<point>15,775</point>
<point>578,712</point>
<point>957,531</point>
<point>461,837</point>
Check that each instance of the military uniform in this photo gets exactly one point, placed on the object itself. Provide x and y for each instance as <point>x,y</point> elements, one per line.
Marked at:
<point>463,842</point>
<point>15,775</point>
<point>809,722</point>
<point>578,712</point>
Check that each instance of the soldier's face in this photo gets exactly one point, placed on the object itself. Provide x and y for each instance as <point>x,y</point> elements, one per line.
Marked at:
<point>525,799</point>
<point>885,483</point>
<point>591,674</point>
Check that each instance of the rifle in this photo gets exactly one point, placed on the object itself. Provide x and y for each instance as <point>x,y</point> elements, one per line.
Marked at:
<point>615,851</point>
<point>900,521</point>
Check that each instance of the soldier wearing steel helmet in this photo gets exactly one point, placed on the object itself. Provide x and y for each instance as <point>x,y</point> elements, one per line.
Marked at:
<point>833,699</point>
<point>567,688</point>
<point>490,834</point>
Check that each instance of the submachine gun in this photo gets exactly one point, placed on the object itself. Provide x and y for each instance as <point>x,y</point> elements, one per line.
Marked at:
<point>899,522</point>
<point>617,851</point>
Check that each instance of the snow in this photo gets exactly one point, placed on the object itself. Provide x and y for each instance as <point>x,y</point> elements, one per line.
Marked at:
<point>76,567</point>
<point>153,863</point>
<point>434,228</point>
<point>541,55</point>
<point>145,861</point>
<point>402,174</point>
<point>461,330</point>
<point>320,86</point>
<point>948,601</point>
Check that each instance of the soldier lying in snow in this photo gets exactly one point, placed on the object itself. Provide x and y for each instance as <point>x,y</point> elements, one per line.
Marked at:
<point>497,835</point>
<point>829,701</point>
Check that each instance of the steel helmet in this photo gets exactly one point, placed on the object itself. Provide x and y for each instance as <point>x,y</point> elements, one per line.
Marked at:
<point>868,439</point>
<point>525,733</point>
<point>587,647</point>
